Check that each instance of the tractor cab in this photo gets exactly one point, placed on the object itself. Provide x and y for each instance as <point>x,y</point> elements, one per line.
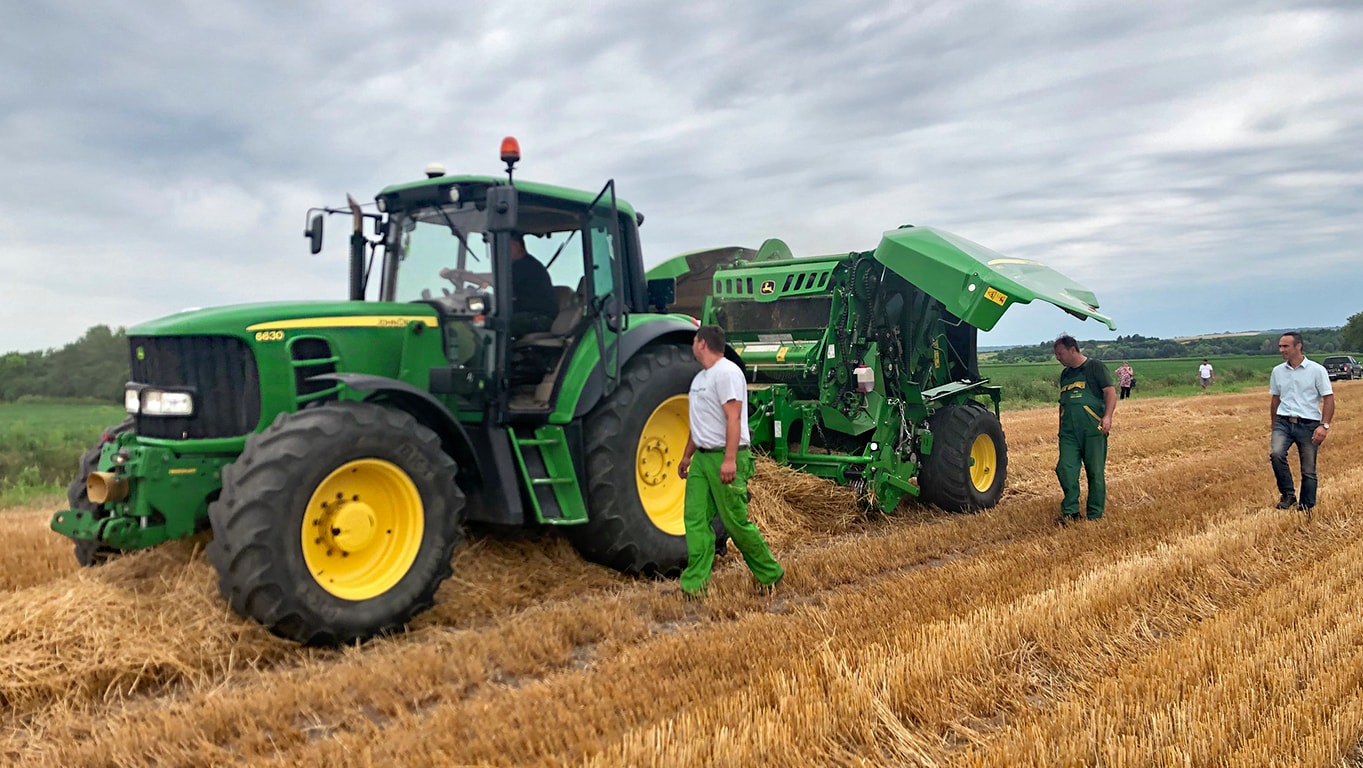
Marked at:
<point>520,274</point>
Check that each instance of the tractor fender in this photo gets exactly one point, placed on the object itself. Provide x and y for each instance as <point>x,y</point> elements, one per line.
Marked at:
<point>485,485</point>
<point>664,331</point>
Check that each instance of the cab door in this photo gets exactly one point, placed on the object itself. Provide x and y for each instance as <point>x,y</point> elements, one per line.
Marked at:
<point>607,280</point>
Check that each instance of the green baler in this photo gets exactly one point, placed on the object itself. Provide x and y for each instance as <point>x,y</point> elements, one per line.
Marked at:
<point>862,366</point>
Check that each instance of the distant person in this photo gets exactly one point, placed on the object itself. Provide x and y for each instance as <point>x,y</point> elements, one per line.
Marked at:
<point>1301,407</point>
<point>1204,374</point>
<point>1126,378</point>
<point>717,465</point>
<point>1087,402</point>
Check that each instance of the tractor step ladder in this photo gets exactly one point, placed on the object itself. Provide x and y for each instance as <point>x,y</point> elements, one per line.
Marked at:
<point>546,465</point>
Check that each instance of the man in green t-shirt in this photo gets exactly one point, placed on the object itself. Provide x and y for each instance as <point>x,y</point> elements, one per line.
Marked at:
<point>1087,402</point>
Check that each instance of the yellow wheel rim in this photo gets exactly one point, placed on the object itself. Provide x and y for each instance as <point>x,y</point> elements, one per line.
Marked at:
<point>661,445</point>
<point>362,529</point>
<point>984,463</point>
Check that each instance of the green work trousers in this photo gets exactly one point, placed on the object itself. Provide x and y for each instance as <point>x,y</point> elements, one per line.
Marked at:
<point>1081,442</point>
<point>706,496</point>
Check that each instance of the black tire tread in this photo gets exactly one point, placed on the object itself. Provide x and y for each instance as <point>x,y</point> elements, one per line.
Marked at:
<point>944,479</point>
<point>247,545</point>
<point>618,533</point>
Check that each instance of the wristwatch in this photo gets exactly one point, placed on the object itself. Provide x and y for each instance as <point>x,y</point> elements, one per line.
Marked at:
<point>1325,424</point>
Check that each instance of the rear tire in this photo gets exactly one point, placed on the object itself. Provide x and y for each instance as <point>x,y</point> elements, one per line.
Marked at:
<point>968,466</point>
<point>336,523</point>
<point>634,443</point>
<point>92,553</point>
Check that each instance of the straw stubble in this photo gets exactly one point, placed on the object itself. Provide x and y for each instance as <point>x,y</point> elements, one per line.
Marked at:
<point>1193,625</point>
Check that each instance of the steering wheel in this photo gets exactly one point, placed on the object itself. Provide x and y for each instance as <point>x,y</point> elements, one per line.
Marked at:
<point>456,301</point>
<point>460,277</point>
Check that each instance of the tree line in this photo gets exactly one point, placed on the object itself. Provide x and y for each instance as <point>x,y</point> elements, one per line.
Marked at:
<point>1318,342</point>
<point>95,366</point>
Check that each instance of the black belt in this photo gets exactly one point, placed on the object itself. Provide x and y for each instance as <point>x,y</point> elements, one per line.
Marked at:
<point>718,450</point>
<point>1298,420</point>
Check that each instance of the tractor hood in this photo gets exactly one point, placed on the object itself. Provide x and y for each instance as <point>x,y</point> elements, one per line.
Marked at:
<point>243,320</point>
<point>977,284</point>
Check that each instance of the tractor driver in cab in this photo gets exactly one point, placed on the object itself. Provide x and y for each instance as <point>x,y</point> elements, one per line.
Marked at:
<point>533,300</point>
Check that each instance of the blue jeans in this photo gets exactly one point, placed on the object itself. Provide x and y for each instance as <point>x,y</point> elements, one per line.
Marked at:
<point>1285,435</point>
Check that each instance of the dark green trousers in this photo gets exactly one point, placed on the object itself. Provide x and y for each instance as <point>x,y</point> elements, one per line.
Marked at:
<point>706,496</point>
<point>1082,444</point>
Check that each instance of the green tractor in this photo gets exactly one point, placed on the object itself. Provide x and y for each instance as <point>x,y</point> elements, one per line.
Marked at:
<point>335,449</point>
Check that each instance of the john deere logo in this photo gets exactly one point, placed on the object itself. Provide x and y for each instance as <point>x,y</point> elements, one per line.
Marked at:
<point>141,354</point>
<point>768,286</point>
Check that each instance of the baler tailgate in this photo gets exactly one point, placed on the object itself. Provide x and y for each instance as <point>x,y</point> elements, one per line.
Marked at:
<point>975,283</point>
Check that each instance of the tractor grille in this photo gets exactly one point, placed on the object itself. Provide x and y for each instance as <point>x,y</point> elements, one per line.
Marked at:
<point>220,370</point>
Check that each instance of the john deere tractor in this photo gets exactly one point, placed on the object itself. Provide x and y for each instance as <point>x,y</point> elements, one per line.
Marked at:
<point>335,449</point>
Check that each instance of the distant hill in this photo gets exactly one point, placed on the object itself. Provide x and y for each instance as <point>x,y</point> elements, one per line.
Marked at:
<point>1226,334</point>
<point>1137,347</point>
<point>1187,339</point>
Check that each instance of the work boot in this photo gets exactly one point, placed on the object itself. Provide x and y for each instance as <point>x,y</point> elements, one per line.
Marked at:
<point>1065,520</point>
<point>722,547</point>
<point>1288,501</point>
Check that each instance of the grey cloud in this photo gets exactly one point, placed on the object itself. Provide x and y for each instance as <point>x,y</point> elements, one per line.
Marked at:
<point>1148,149</point>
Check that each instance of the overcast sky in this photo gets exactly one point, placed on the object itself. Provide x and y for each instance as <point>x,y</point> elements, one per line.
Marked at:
<point>1197,163</point>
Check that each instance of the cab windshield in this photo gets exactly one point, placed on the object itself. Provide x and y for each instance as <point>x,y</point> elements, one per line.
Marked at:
<point>443,253</point>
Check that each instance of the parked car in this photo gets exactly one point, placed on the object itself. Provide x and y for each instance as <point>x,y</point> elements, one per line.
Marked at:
<point>1343,367</point>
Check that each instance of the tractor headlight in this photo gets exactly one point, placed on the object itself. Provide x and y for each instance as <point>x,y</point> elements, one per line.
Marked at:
<point>476,305</point>
<point>149,401</point>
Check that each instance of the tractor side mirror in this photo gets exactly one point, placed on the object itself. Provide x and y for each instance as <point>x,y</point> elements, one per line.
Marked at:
<point>662,293</point>
<point>314,233</point>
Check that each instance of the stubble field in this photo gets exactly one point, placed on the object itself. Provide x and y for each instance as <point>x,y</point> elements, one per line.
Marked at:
<point>1194,625</point>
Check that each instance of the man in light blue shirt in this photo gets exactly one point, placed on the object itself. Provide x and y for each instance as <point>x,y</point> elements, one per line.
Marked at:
<point>1302,405</point>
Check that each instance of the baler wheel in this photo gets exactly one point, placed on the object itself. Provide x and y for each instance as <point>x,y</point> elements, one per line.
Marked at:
<point>634,441</point>
<point>968,466</point>
<point>336,523</point>
<point>92,553</point>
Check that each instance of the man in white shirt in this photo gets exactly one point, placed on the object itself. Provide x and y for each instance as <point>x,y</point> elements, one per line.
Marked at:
<point>1204,373</point>
<point>1301,406</point>
<point>717,464</point>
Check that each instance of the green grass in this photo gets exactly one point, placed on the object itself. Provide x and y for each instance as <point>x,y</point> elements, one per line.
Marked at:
<point>41,443</point>
<point>1029,384</point>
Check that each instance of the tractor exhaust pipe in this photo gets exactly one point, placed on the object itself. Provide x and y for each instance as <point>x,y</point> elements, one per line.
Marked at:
<point>103,487</point>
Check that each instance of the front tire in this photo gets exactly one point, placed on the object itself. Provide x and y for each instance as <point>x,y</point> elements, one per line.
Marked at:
<point>336,523</point>
<point>91,553</point>
<point>968,466</point>
<point>634,440</point>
